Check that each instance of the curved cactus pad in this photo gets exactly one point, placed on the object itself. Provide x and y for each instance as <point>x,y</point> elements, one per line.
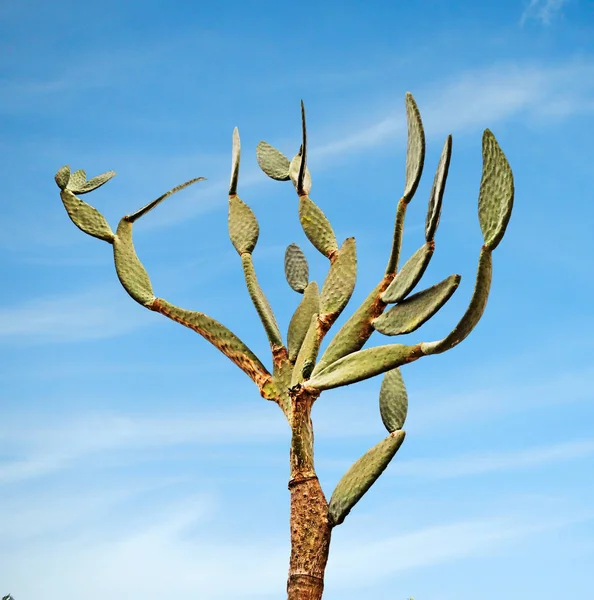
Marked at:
<point>243,225</point>
<point>273,162</point>
<point>316,226</point>
<point>307,354</point>
<point>415,150</point>
<point>361,476</point>
<point>407,278</point>
<point>86,217</point>
<point>130,270</point>
<point>340,281</point>
<point>436,197</point>
<point>363,365</point>
<point>260,301</point>
<point>475,309</point>
<point>62,177</point>
<point>309,305</point>
<point>416,310</point>
<point>296,268</point>
<point>496,197</point>
<point>393,400</point>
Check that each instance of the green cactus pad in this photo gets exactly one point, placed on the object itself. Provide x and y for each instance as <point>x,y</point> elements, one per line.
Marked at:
<point>307,354</point>
<point>340,282</point>
<point>243,225</point>
<point>407,278</point>
<point>86,217</point>
<point>361,476</point>
<point>260,302</point>
<point>475,309</point>
<point>316,226</point>
<point>415,150</point>
<point>496,197</point>
<point>273,162</point>
<point>309,305</point>
<point>217,334</point>
<point>131,273</point>
<point>410,314</point>
<point>77,180</point>
<point>393,400</point>
<point>354,333</point>
<point>235,156</point>
<point>62,177</point>
<point>294,170</point>
<point>362,365</point>
<point>436,197</point>
<point>296,268</point>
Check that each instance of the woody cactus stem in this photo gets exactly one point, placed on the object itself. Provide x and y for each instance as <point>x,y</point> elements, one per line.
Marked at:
<point>299,375</point>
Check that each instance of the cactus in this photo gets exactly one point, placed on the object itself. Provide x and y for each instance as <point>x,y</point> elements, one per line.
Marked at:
<point>298,375</point>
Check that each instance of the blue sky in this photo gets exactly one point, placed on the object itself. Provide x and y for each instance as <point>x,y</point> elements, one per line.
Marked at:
<point>136,461</point>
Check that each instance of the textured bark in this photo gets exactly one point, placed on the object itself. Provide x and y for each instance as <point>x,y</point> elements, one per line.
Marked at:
<point>310,530</point>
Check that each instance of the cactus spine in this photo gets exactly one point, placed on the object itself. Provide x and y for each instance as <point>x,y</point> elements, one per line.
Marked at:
<point>298,375</point>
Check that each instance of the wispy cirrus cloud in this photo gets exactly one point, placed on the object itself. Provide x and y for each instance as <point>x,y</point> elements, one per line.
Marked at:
<point>543,10</point>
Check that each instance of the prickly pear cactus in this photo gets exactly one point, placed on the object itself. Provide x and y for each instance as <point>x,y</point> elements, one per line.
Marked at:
<point>299,374</point>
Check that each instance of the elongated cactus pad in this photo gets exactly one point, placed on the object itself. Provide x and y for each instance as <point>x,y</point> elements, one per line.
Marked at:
<point>273,162</point>
<point>415,151</point>
<point>363,365</point>
<point>436,197</point>
<point>307,354</point>
<point>407,278</point>
<point>496,197</point>
<point>316,226</point>
<point>131,273</point>
<point>474,311</point>
<point>243,226</point>
<point>235,158</point>
<point>260,302</point>
<point>86,217</point>
<point>361,476</point>
<point>410,314</point>
<point>309,305</point>
<point>393,400</point>
<point>296,268</point>
<point>340,281</point>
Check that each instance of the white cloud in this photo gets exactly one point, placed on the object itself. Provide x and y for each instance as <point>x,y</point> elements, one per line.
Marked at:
<point>542,10</point>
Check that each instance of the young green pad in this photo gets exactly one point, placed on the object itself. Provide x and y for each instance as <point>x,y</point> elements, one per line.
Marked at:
<point>410,314</point>
<point>496,197</point>
<point>243,226</point>
<point>436,197</point>
<point>79,185</point>
<point>77,180</point>
<point>415,150</point>
<point>340,281</point>
<point>296,268</point>
<point>130,270</point>
<point>86,217</point>
<point>309,305</point>
<point>307,354</point>
<point>475,309</point>
<point>393,400</point>
<point>316,226</point>
<point>273,162</point>
<point>362,365</point>
<point>361,476</point>
<point>407,278</point>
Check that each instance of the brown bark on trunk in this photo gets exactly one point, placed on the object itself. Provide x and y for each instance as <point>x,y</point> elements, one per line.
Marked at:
<point>310,530</point>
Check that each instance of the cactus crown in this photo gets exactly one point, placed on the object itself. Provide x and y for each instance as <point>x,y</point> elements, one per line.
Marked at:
<point>298,371</point>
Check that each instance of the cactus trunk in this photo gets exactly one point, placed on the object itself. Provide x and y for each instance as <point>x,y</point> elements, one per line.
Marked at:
<point>310,528</point>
